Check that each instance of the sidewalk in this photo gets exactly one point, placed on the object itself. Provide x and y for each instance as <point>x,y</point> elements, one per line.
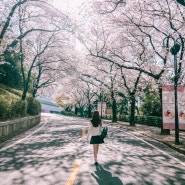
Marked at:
<point>155,133</point>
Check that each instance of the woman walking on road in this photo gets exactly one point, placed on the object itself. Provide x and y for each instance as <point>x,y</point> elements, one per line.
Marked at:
<point>94,133</point>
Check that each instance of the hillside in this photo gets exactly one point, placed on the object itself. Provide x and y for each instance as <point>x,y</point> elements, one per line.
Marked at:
<point>9,93</point>
<point>11,105</point>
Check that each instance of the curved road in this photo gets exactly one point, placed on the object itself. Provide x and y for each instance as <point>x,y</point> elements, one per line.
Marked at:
<point>57,153</point>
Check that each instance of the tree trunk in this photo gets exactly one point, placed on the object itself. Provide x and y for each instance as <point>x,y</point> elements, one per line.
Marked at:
<point>114,111</point>
<point>25,86</point>
<point>24,95</point>
<point>34,92</point>
<point>132,111</point>
<point>81,111</point>
<point>89,111</point>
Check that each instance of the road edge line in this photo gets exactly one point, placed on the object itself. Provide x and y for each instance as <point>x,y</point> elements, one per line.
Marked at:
<point>18,141</point>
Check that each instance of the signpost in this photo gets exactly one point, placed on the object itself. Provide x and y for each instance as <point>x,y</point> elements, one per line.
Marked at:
<point>168,103</point>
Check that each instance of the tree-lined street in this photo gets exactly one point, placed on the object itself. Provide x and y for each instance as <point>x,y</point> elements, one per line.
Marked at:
<point>83,52</point>
<point>56,152</point>
<point>122,58</point>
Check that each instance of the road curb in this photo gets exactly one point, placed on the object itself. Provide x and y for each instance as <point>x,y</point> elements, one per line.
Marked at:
<point>179,148</point>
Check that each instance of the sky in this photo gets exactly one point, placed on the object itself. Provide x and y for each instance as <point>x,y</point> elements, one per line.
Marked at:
<point>71,8</point>
<point>68,6</point>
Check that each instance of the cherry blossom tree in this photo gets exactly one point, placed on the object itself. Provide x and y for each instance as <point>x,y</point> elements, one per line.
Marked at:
<point>132,37</point>
<point>104,78</point>
<point>36,32</point>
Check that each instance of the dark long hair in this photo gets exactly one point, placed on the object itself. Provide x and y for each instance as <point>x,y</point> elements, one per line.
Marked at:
<point>96,119</point>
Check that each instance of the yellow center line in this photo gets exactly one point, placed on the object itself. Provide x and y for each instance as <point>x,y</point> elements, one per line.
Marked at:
<point>74,172</point>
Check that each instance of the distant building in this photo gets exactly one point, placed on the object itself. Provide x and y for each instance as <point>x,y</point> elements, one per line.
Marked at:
<point>49,106</point>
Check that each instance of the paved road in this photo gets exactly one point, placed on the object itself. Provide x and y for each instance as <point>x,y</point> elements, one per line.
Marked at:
<point>55,153</point>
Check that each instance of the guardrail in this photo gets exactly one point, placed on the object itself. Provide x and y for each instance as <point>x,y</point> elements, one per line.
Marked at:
<point>11,128</point>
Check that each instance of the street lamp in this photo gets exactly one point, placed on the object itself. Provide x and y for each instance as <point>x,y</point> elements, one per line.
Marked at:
<point>174,50</point>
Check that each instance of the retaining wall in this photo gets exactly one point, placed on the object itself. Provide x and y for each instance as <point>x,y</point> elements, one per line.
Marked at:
<point>12,128</point>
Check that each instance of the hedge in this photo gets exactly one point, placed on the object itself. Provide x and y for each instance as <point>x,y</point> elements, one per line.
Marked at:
<point>10,109</point>
<point>144,120</point>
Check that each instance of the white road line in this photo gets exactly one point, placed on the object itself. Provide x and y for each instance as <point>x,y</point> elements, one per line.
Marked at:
<point>25,137</point>
<point>156,148</point>
<point>151,145</point>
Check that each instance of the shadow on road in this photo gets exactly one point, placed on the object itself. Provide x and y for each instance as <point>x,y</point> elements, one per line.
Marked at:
<point>42,158</point>
<point>104,177</point>
<point>48,156</point>
<point>137,162</point>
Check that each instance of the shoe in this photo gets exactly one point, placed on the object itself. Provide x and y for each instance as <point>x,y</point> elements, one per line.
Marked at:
<point>96,163</point>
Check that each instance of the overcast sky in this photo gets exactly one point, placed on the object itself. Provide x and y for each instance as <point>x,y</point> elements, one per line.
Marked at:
<point>68,6</point>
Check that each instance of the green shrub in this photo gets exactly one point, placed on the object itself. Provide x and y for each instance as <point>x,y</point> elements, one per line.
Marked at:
<point>5,109</point>
<point>149,120</point>
<point>34,107</point>
<point>144,120</point>
<point>19,108</point>
<point>151,105</point>
<point>68,113</point>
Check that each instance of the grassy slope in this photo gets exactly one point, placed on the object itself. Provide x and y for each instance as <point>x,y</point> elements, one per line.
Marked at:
<point>9,93</point>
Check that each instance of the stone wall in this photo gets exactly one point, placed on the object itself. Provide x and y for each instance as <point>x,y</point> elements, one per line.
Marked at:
<point>12,128</point>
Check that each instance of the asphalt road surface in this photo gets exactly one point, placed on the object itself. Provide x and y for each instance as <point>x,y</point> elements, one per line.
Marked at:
<point>56,152</point>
